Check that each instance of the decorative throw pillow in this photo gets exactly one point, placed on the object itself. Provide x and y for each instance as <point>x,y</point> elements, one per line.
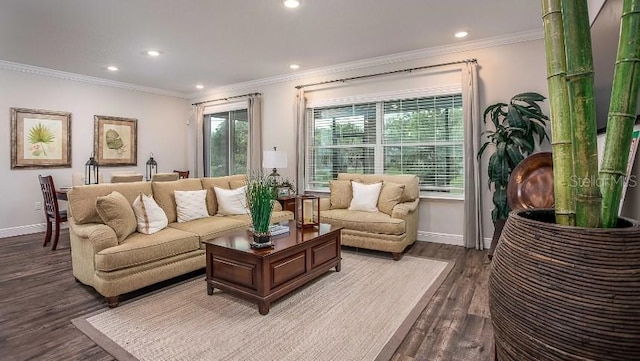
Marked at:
<point>191,205</point>
<point>116,212</point>
<point>341,194</point>
<point>231,202</point>
<point>365,197</point>
<point>390,196</point>
<point>151,218</point>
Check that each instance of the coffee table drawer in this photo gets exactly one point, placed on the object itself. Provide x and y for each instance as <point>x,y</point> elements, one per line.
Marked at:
<point>235,272</point>
<point>288,268</point>
<point>324,252</point>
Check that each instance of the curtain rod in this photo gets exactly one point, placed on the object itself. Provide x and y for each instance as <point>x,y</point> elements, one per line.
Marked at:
<point>227,98</point>
<point>408,70</point>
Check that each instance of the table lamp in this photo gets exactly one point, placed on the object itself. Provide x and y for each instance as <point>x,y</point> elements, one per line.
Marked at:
<point>274,159</point>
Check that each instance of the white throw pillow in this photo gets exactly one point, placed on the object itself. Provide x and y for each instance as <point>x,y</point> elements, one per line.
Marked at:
<point>191,205</point>
<point>231,201</point>
<point>365,197</point>
<point>151,218</point>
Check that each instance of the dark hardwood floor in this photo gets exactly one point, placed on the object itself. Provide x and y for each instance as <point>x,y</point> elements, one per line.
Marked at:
<point>39,297</point>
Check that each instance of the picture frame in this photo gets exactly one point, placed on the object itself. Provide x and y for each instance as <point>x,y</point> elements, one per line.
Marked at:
<point>115,141</point>
<point>40,139</point>
<point>284,191</point>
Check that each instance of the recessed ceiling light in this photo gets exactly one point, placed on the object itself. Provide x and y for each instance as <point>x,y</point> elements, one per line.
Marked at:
<point>153,53</point>
<point>291,3</point>
<point>112,68</point>
<point>294,66</point>
<point>461,34</point>
<point>199,86</point>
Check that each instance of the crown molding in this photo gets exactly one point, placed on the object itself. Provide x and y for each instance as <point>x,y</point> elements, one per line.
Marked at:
<point>35,70</point>
<point>381,60</point>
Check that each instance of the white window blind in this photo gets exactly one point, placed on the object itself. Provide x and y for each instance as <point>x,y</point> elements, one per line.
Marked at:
<point>421,136</point>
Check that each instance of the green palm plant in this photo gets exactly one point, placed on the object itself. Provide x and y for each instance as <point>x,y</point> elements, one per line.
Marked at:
<point>41,134</point>
<point>260,196</point>
<point>517,125</point>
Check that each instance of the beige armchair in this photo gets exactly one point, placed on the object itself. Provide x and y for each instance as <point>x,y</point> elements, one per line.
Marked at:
<point>391,229</point>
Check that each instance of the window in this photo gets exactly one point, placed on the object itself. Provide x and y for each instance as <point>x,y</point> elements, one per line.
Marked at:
<point>422,136</point>
<point>227,146</point>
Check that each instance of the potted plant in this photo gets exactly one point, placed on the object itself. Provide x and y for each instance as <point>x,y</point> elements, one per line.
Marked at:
<point>260,196</point>
<point>564,283</point>
<point>517,125</point>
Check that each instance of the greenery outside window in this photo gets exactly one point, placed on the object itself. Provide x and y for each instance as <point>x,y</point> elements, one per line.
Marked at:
<point>422,136</point>
<point>226,143</point>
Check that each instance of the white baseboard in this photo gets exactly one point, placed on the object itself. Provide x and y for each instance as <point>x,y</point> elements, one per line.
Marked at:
<point>447,238</point>
<point>28,229</point>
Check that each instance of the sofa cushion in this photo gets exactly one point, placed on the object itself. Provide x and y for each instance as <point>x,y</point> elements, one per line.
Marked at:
<point>340,194</point>
<point>231,202</point>
<point>191,205</point>
<point>365,197</point>
<point>372,222</point>
<point>390,196</point>
<point>163,194</point>
<point>82,199</point>
<point>221,182</point>
<point>237,183</point>
<point>411,189</point>
<point>115,211</point>
<point>150,216</point>
<point>141,248</point>
<point>211,227</point>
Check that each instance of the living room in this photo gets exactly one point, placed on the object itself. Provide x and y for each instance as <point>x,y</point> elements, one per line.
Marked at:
<point>167,125</point>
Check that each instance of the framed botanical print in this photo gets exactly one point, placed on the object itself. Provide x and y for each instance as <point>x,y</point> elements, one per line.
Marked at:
<point>40,138</point>
<point>115,140</point>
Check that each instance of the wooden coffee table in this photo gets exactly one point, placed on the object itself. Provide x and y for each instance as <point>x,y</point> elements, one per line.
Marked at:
<point>264,275</point>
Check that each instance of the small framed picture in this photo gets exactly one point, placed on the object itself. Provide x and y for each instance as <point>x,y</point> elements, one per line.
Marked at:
<point>40,138</point>
<point>284,191</point>
<point>115,140</point>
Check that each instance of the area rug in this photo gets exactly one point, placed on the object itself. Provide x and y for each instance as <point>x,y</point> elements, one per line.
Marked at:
<point>362,312</point>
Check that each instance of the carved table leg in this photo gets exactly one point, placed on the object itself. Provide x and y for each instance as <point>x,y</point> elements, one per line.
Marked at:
<point>339,266</point>
<point>209,289</point>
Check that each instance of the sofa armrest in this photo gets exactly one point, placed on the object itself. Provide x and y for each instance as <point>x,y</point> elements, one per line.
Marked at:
<point>402,210</point>
<point>99,235</point>
<point>325,203</point>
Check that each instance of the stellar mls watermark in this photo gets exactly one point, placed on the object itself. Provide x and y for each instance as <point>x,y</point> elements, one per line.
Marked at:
<point>576,181</point>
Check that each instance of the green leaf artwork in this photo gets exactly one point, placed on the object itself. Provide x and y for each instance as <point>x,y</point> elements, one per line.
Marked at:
<point>39,135</point>
<point>114,141</point>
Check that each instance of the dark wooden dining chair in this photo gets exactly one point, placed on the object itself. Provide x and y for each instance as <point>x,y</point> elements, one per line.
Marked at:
<point>182,173</point>
<point>52,212</point>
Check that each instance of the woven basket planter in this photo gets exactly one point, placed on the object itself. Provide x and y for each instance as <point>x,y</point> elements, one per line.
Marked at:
<point>565,293</point>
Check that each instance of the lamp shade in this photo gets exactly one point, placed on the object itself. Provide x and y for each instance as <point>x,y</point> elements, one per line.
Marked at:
<point>274,159</point>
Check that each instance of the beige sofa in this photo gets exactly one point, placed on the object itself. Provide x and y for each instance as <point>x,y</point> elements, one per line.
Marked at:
<point>390,232</point>
<point>114,268</point>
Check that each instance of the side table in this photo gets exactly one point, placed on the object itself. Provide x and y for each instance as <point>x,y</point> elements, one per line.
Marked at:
<point>288,203</point>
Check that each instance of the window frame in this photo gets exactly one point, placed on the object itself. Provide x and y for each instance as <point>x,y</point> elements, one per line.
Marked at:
<point>379,99</point>
<point>218,109</point>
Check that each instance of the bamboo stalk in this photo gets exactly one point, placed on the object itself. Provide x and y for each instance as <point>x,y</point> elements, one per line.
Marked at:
<point>624,96</point>
<point>561,140</point>
<point>577,35</point>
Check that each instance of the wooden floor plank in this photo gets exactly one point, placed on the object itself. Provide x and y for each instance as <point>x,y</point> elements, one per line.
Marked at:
<point>39,297</point>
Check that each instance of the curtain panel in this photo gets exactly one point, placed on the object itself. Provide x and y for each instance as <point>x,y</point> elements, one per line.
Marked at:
<point>473,236</point>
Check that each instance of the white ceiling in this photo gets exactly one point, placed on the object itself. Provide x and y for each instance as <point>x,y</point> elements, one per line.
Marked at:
<point>218,43</point>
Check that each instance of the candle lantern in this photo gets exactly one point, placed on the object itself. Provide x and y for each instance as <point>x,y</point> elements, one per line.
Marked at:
<point>91,171</point>
<point>307,211</point>
<point>152,167</point>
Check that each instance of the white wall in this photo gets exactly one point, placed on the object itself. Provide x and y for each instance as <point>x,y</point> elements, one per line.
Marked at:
<point>162,130</point>
<point>503,71</point>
